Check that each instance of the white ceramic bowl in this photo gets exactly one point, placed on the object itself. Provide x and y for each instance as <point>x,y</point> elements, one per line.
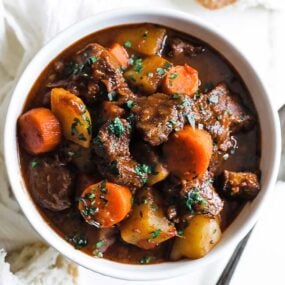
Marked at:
<point>269,122</point>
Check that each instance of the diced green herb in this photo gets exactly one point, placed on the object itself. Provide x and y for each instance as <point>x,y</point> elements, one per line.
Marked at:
<point>176,96</point>
<point>116,127</point>
<point>138,67</point>
<point>160,71</point>
<point>99,244</point>
<point>156,233</point>
<point>197,95</point>
<point>127,44</point>
<point>77,240</point>
<point>130,104</point>
<point>180,232</point>
<point>167,65</point>
<point>173,75</point>
<point>76,122</point>
<point>34,164</point>
<point>194,198</point>
<point>146,259</point>
<point>214,231</point>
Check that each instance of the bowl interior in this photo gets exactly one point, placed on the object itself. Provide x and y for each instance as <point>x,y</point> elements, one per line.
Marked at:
<point>197,28</point>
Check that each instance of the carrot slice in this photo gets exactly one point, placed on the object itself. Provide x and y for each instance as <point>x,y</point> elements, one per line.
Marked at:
<point>121,54</point>
<point>188,152</point>
<point>105,204</point>
<point>181,79</point>
<point>39,130</point>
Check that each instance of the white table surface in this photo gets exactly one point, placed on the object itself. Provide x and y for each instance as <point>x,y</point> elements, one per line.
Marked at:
<point>259,33</point>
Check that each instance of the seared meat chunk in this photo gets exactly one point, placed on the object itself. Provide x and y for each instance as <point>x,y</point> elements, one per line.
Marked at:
<point>178,46</point>
<point>201,197</point>
<point>79,156</point>
<point>51,184</point>
<point>240,185</point>
<point>158,115</point>
<point>114,160</point>
<point>105,68</point>
<point>107,237</point>
<point>221,115</point>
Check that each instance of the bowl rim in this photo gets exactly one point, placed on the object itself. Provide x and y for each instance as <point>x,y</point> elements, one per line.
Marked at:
<point>107,267</point>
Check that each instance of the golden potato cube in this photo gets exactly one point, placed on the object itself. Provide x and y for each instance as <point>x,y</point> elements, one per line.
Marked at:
<point>73,115</point>
<point>147,226</point>
<point>146,74</point>
<point>199,237</point>
<point>145,39</point>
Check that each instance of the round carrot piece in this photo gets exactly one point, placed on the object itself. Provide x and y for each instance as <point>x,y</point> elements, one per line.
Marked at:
<point>39,130</point>
<point>181,79</point>
<point>105,204</point>
<point>188,152</point>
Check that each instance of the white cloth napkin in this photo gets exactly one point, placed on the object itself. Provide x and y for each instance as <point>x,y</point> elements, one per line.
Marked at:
<point>26,25</point>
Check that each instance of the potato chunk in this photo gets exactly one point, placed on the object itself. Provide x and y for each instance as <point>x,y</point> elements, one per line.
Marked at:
<point>199,237</point>
<point>74,117</point>
<point>145,39</point>
<point>146,74</point>
<point>147,226</point>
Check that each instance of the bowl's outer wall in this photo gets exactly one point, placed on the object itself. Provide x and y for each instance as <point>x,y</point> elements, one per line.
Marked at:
<point>270,130</point>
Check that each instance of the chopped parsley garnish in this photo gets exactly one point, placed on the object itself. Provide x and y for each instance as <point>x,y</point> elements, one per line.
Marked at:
<point>127,44</point>
<point>175,96</point>
<point>77,240</point>
<point>173,75</point>
<point>76,122</point>
<point>146,259</point>
<point>89,210</point>
<point>116,127</point>
<point>99,244</point>
<point>142,170</point>
<point>197,95</point>
<point>167,65</point>
<point>34,164</point>
<point>156,233</point>
<point>160,71</point>
<point>180,232</point>
<point>138,65</point>
<point>130,104</point>
<point>194,198</point>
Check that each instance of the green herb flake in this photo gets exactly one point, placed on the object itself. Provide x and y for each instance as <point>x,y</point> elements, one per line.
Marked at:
<point>146,259</point>
<point>176,96</point>
<point>167,65</point>
<point>194,198</point>
<point>138,67</point>
<point>127,44</point>
<point>99,244</point>
<point>173,75</point>
<point>114,167</point>
<point>160,71</point>
<point>77,240</point>
<point>34,164</point>
<point>156,233</point>
<point>116,127</point>
<point>180,232</point>
<point>112,96</point>
<point>130,104</point>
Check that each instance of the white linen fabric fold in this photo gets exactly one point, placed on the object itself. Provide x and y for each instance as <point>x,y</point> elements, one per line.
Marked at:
<point>25,26</point>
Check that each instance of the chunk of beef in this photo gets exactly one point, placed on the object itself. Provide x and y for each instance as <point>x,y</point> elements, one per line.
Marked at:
<point>108,237</point>
<point>178,46</point>
<point>77,155</point>
<point>201,197</point>
<point>105,68</point>
<point>51,184</point>
<point>240,185</point>
<point>221,115</point>
<point>158,115</point>
<point>114,160</point>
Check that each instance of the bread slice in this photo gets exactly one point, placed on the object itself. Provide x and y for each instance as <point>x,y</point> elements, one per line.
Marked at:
<point>38,264</point>
<point>216,4</point>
